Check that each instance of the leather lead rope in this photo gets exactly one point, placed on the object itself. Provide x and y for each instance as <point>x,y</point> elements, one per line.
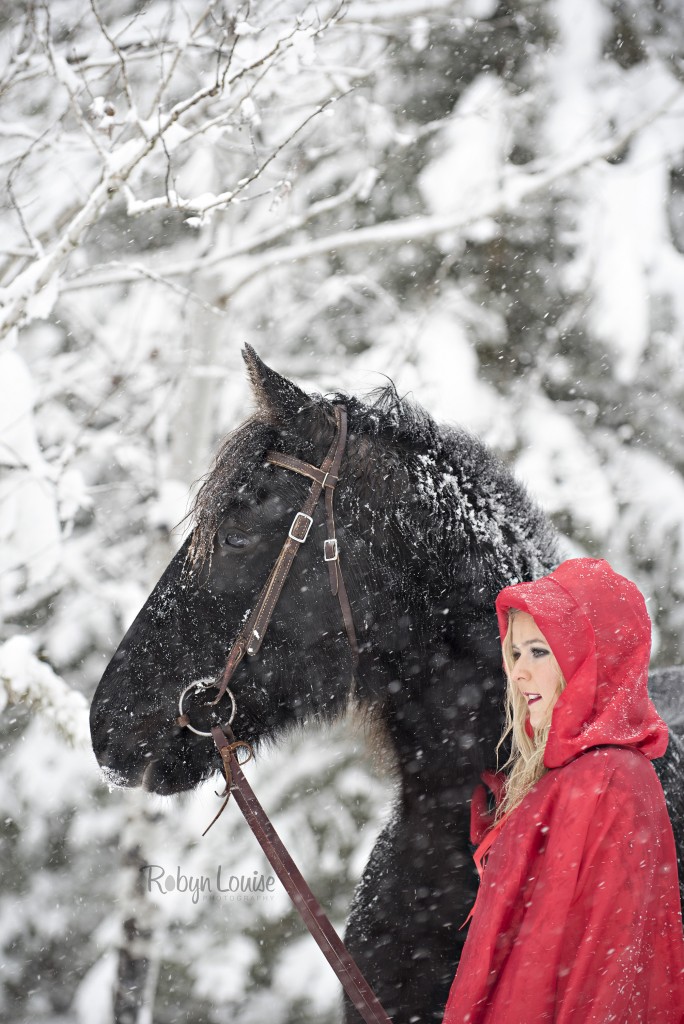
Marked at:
<point>338,956</point>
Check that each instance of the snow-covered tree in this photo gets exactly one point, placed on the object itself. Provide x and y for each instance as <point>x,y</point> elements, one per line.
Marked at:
<point>481,199</point>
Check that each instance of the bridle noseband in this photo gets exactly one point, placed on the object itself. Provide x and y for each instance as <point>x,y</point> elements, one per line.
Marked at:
<point>251,636</point>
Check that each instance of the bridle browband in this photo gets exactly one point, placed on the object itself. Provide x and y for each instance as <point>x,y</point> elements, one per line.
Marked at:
<point>249,641</point>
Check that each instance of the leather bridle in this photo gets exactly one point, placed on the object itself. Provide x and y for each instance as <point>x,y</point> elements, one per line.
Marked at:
<point>248,641</point>
<point>250,638</point>
<point>324,480</point>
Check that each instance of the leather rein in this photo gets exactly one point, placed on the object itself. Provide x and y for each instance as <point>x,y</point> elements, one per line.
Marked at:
<point>248,641</point>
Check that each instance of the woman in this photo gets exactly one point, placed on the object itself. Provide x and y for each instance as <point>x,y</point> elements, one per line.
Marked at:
<point>578,917</point>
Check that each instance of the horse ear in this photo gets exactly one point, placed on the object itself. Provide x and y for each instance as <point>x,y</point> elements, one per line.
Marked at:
<point>274,394</point>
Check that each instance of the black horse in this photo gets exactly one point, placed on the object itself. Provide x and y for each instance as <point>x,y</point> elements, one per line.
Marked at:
<point>431,526</point>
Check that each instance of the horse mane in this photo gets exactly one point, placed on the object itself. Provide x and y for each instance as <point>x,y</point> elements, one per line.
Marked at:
<point>433,483</point>
<point>440,490</point>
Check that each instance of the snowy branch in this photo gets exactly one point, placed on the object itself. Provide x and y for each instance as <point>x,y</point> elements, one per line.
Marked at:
<point>201,205</point>
<point>518,187</point>
<point>514,190</point>
<point>118,53</point>
<point>35,289</point>
<point>16,299</point>
<point>359,188</point>
<point>396,10</point>
<point>24,679</point>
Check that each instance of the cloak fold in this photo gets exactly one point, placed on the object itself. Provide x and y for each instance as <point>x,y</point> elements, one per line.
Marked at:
<point>578,918</point>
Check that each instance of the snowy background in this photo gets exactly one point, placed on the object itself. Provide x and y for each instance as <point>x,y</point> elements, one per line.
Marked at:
<point>482,200</point>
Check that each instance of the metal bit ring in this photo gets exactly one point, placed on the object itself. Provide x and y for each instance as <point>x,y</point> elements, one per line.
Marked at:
<point>204,684</point>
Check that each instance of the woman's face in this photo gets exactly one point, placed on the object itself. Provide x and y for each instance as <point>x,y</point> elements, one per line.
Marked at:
<point>535,670</point>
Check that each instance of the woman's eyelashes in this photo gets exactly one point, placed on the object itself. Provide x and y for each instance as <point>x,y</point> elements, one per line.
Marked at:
<point>537,652</point>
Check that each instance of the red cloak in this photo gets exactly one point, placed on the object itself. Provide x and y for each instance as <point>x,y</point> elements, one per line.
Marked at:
<point>578,917</point>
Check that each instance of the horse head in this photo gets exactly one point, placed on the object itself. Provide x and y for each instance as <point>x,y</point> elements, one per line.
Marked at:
<point>430,525</point>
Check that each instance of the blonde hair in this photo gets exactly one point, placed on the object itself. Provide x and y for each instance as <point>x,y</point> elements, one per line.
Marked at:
<point>526,761</point>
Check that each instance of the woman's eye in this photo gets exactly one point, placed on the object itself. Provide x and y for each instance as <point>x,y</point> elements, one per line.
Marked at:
<point>515,655</point>
<point>539,652</point>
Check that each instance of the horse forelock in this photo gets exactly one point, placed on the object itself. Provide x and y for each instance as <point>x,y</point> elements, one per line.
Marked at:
<point>235,465</point>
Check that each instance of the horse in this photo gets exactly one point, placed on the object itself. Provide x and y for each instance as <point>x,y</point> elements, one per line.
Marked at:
<point>431,524</point>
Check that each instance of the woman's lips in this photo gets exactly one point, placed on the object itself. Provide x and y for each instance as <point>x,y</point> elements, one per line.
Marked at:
<point>532,698</point>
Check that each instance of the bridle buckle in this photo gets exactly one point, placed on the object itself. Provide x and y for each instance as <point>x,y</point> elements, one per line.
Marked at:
<point>330,550</point>
<point>301,516</point>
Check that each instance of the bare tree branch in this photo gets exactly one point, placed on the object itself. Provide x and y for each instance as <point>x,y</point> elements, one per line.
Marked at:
<point>166,77</point>
<point>507,199</point>
<point>93,277</point>
<point>120,164</point>
<point>203,204</point>
<point>119,55</point>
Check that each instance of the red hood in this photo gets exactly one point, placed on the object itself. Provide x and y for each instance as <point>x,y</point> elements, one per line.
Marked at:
<point>597,625</point>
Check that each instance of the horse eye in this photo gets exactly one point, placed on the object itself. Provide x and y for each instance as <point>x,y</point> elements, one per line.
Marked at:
<point>231,537</point>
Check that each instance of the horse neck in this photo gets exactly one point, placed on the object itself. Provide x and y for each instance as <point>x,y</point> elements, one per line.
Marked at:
<point>442,719</point>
